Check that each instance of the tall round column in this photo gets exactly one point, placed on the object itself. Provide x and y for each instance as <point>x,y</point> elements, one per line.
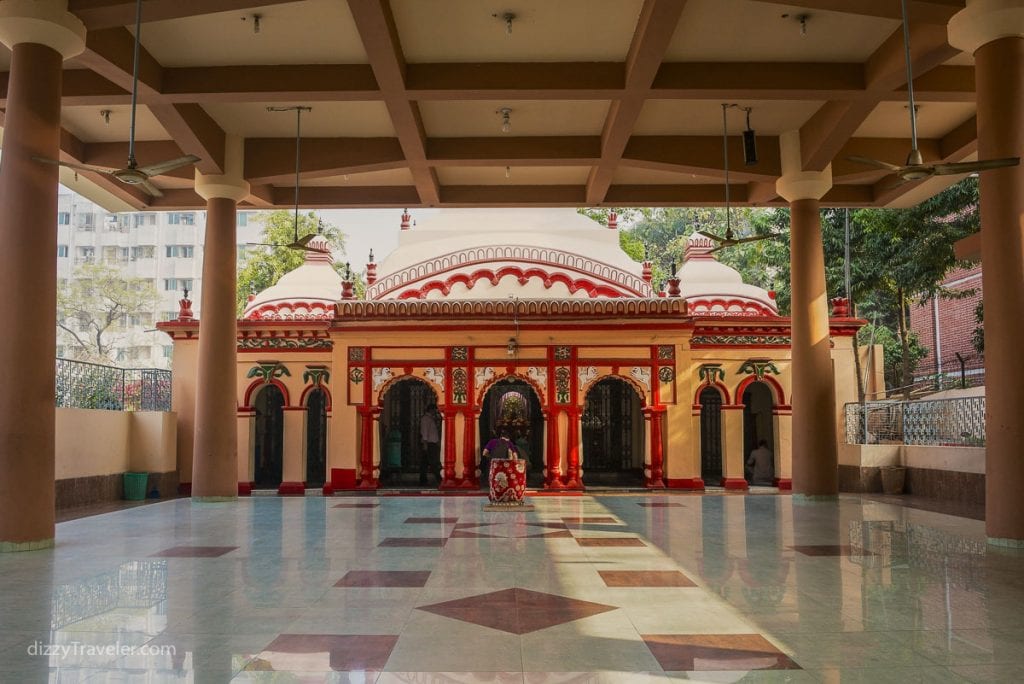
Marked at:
<point>40,35</point>
<point>215,448</point>
<point>993,30</point>
<point>815,452</point>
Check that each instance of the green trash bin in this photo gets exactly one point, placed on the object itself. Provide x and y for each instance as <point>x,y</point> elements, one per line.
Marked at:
<point>135,486</point>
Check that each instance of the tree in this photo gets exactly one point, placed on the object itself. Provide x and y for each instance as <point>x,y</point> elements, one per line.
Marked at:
<point>98,302</point>
<point>264,266</point>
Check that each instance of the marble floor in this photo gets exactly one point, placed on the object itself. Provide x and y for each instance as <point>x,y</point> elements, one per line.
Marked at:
<point>716,588</point>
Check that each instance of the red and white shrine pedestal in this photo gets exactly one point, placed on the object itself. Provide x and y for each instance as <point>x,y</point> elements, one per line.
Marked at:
<point>507,481</point>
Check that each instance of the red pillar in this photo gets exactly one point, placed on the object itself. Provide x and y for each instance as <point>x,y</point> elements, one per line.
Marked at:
<point>448,467</point>
<point>366,478</point>
<point>469,479</point>
<point>572,477</point>
<point>656,480</point>
<point>28,279</point>
<point>554,455</point>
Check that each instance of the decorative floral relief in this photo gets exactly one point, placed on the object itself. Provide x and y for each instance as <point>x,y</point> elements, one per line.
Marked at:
<point>460,353</point>
<point>641,375</point>
<point>484,376</point>
<point>268,370</point>
<point>539,376</point>
<point>356,375</point>
<point>711,372</point>
<point>740,339</point>
<point>316,375</point>
<point>562,385</point>
<point>381,376</point>
<point>285,343</point>
<point>436,376</point>
<point>460,392</point>
<point>759,367</point>
<point>586,375</point>
<point>357,353</point>
<point>666,352</point>
<point>666,374</point>
<point>563,353</point>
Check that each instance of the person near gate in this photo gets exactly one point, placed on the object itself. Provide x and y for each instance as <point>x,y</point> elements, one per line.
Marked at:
<point>760,462</point>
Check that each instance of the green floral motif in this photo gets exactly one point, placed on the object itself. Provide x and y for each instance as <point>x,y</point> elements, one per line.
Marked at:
<point>356,375</point>
<point>285,343</point>
<point>268,370</point>
<point>758,367</point>
<point>356,353</point>
<point>711,372</point>
<point>665,374</point>
<point>562,385</point>
<point>666,352</point>
<point>460,353</point>
<point>459,386</point>
<point>740,339</point>
<point>563,353</point>
<point>316,375</point>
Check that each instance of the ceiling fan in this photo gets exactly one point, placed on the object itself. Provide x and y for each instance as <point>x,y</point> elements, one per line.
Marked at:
<point>133,174</point>
<point>300,243</point>
<point>915,168</point>
<point>729,239</point>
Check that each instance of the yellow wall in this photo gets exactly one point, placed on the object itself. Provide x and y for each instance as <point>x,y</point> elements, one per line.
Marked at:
<point>93,442</point>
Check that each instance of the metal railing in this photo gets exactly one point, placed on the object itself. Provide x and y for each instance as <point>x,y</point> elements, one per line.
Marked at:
<point>93,386</point>
<point>941,422</point>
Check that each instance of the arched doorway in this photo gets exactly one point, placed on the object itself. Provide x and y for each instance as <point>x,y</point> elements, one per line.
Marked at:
<point>711,436</point>
<point>514,403</point>
<point>401,450</point>
<point>316,438</point>
<point>268,438</point>
<point>758,425</point>
<point>613,435</point>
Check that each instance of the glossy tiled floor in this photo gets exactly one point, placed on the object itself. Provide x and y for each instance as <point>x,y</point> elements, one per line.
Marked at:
<point>582,589</point>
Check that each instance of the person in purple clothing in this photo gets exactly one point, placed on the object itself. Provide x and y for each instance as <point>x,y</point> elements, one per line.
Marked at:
<point>500,446</point>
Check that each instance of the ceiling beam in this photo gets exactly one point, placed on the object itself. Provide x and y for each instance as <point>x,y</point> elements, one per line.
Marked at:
<point>376,26</point>
<point>701,155</point>
<point>196,133</point>
<point>100,14</point>
<point>651,37</point>
<point>758,80</point>
<point>927,11</point>
<point>271,83</point>
<point>272,160</point>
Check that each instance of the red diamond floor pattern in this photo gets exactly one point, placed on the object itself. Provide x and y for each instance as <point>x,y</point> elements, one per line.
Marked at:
<point>517,611</point>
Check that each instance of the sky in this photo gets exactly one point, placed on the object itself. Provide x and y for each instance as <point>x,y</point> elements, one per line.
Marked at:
<point>370,228</point>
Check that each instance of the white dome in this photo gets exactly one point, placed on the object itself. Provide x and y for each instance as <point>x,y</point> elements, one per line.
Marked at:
<point>497,253</point>
<point>711,288</point>
<point>307,293</point>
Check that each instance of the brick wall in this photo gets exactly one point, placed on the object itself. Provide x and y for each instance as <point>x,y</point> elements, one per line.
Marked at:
<point>956,321</point>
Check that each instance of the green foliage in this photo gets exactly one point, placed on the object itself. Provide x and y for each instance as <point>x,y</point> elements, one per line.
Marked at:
<point>263,266</point>
<point>978,335</point>
<point>893,352</point>
<point>97,302</point>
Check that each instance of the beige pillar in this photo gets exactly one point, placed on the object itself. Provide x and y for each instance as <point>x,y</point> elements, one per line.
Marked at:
<point>815,452</point>
<point>732,448</point>
<point>782,427</point>
<point>40,35</point>
<point>993,30</point>
<point>293,471</point>
<point>214,460</point>
<point>244,429</point>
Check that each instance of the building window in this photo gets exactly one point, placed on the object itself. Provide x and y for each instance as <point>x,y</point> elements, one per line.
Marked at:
<point>168,350</point>
<point>182,218</point>
<point>85,255</point>
<point>175,284</point>
<point>62,250</point>
<point>143,252</point>
<point>243,218</point>
<point>64,218</point>
<point>180,251</point>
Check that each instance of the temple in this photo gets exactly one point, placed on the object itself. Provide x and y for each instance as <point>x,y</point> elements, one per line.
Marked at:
<point>530,319</point>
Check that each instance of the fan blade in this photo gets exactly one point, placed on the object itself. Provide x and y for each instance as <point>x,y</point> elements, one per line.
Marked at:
<point>876,163</point>
<point>264,244</point>
<point>756,238</point>
<point>719,248</point>
<point>972,167</point>
<point>76,167</point>
<point>714,237</point>
<point>163,167</point>
<point>151,188</point>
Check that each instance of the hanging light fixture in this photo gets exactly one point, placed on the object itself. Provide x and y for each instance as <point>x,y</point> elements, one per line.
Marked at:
<point>508,18</point>
<point>506,118</point>
<point>749,142</point>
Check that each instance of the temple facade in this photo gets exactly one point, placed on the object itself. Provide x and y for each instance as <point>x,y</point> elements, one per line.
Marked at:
<point>528,320</point>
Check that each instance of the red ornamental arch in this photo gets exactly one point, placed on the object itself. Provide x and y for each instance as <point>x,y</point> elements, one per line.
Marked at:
<point>716,385</point>
<point>304,398</point>
<point>498,378</point>
<point>778,395</point>
<point>494,276</point>
<point>400,378</point>
<point>257,385</point>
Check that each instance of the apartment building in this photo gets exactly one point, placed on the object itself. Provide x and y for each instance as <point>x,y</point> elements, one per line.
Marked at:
<point>165,248</point>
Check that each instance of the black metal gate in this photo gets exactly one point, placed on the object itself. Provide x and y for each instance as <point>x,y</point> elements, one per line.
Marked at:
<point>609,417</point>
<point>316,438</point>
<point>711,436</point>
<point>404,405</point>
<point>268,446</point>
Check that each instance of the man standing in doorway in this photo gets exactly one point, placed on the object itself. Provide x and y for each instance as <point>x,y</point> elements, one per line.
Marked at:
<point>431,440</point>
<point>761,463</point>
